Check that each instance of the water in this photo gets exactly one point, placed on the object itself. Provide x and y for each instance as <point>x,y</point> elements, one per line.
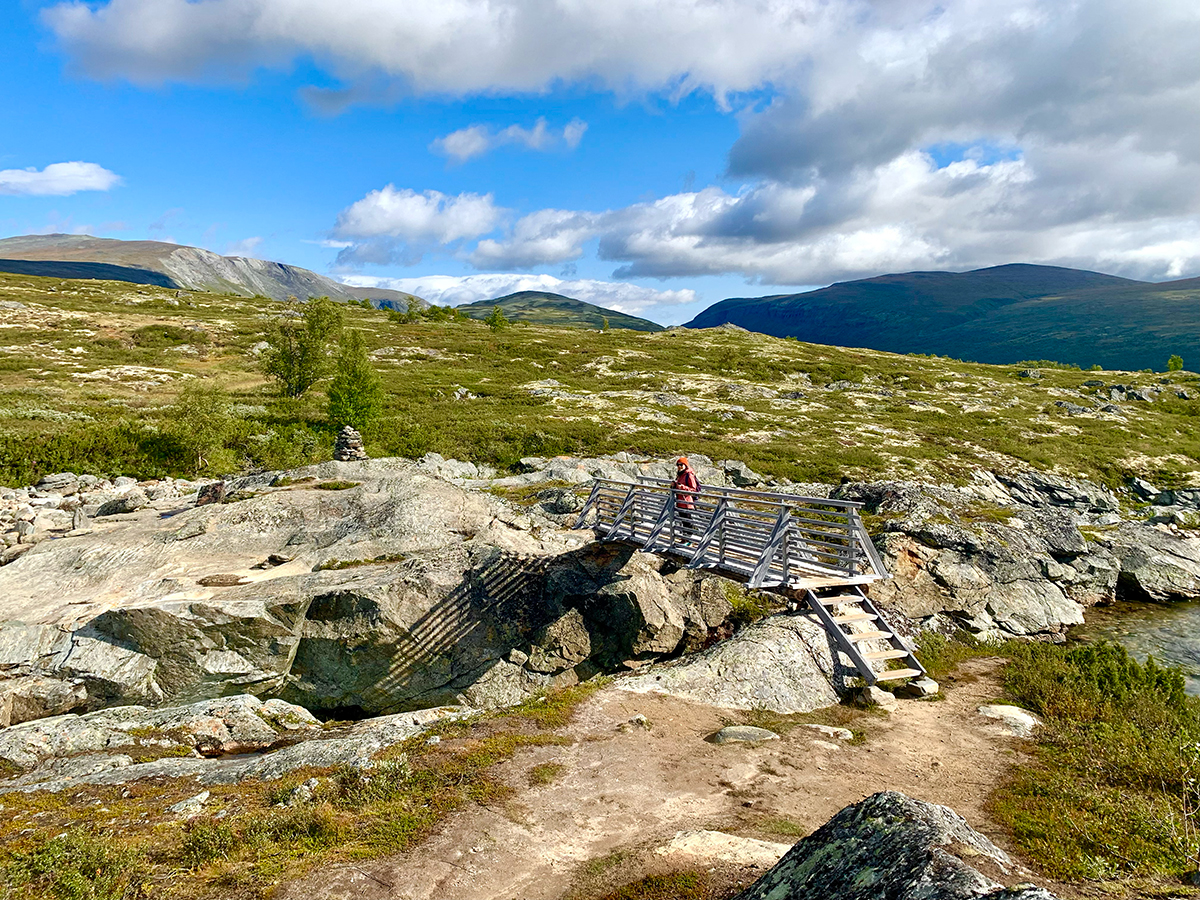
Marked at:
<point>1169,632</point>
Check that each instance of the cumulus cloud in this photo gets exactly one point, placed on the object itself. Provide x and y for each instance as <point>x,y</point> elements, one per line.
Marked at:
<point>457,290</point>
<point>459,47</point>
<point>57,180</point>
<point>390,225</point>
<point>476,140</point>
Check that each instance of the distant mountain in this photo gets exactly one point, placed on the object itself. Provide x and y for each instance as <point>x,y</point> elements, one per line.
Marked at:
<point>1002,314</point>
<point>175,266</point>
<point>544,308</point>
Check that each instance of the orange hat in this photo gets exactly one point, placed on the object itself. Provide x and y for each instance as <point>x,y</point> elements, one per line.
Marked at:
<point>682,459</point>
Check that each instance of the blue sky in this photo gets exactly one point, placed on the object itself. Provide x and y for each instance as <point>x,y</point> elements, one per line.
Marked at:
<point>656,157</point>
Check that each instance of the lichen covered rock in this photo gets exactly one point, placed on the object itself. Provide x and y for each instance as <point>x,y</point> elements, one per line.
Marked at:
<point>891,847</point>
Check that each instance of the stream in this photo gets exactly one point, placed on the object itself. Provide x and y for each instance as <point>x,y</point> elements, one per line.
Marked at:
<point>1168,631</point>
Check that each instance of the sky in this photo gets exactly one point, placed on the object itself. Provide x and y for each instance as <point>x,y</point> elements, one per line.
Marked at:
<point>654,156</point>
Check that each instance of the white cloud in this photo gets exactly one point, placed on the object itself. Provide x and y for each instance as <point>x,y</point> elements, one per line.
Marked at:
<point>541,238</point>
<point>476,140</point>
<point>907,213</point>
<point>457,46</point>
<point>428,216</point>
<point>457,290</point>
<point>57,180</point>
<point>244,247</point>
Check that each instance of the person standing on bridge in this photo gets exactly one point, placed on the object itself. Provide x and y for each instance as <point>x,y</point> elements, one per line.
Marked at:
<point>686,487</point>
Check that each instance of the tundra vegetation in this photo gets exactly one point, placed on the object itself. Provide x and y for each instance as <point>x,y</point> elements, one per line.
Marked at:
<point>90,374</point>
<point>1111,795</point>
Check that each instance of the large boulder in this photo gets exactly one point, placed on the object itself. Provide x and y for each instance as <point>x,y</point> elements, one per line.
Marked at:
<point>892,847</point>
<point>784,663</point>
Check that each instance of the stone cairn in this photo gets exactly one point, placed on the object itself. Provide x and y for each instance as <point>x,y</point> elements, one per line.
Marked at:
<point>349,445</point>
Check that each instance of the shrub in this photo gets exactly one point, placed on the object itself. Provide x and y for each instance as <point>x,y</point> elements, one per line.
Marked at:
<point>356,391</point>
<point>202,422</point>
<point>1175,363</point>
<point>496,320</point>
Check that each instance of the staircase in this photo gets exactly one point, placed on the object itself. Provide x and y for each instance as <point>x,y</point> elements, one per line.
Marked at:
<point>842,609</point>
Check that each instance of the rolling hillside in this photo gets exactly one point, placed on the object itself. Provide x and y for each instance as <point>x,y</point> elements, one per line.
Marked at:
<point>544,308</point>
<point>175,266</point>
<point>999,315</point>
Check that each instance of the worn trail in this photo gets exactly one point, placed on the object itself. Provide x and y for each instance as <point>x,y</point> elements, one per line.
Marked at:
<point>630,788</point>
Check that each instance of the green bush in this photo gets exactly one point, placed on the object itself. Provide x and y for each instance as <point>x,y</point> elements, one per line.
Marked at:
<point>356,391</point>
<point>202,422</point>
<point>120,447</point>
<point>1106,797</point>
<point>496,319</point>
<point>1175,363</point>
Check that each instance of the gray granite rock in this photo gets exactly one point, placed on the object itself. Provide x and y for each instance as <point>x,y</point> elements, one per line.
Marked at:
<point>783,663</point>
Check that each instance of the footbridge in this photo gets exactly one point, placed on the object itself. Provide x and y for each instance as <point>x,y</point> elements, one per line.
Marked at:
<point>810,549</point>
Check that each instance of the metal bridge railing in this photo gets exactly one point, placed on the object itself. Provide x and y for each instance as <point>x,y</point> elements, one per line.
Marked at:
<point>771,539</point>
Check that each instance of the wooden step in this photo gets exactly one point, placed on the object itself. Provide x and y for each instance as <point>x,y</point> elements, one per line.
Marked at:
<point>897,674</point>
<point>868,636</point>
<point>839,599</point>
<point>886,654</point>
<point>854,617</point>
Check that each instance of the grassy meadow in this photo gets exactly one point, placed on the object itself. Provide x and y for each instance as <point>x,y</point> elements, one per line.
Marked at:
<point>89,371</point>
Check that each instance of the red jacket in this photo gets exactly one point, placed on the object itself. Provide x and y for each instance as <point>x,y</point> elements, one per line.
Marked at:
<point>686,486</point>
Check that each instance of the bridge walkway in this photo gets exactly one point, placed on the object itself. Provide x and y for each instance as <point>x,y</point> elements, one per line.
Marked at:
<point>808,547</point>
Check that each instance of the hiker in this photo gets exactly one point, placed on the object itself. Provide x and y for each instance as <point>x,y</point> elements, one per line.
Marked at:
<point>686,487</point>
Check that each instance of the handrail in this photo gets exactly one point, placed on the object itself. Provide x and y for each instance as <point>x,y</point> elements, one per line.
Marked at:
<point>769,538</point>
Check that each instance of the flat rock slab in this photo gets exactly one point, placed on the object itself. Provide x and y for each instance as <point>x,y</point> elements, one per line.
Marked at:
<point>732,734</point>
<point>1013,719</point>
<point>716,846</point>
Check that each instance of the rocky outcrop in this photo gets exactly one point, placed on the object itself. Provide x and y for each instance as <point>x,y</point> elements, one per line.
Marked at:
<point>213,742</point>
<point>1019,555</point>
<point>374,586</point>
<point>891,846</point>
<point>391,590</point>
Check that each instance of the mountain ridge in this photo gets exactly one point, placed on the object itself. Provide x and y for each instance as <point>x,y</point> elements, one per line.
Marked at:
<point>176,266</point>
<point>1000,314</point>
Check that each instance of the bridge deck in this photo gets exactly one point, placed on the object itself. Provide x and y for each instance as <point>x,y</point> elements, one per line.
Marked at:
<point>813,546</point>
<point>771,540</point>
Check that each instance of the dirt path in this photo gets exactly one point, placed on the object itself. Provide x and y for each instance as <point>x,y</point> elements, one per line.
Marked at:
<point>633,788</point>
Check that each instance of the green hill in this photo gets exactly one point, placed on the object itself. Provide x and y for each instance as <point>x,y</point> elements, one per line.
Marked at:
<point>998,315</point>
<point>545,308</point>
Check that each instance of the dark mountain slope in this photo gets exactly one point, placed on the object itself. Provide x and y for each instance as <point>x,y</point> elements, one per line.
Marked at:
<point>172,265</point>
<point>545,308</point>
<point>997,315</point>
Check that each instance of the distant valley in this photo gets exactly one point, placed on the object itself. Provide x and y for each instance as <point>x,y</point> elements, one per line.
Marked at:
<point>1002,314</point>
